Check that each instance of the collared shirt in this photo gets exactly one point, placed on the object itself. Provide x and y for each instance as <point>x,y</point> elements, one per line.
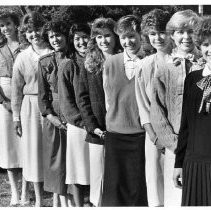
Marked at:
<point>206,71</point>
<point>131,64</point>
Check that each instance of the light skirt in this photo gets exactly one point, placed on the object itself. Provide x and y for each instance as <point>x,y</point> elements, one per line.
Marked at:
<point>96,152</point>
<point>154,174</point>
<point>172,195</point>
<point>10,150</point>
<point>77,156</point>
<point>32,150</point>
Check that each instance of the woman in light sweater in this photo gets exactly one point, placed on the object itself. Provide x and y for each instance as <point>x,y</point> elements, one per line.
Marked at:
<point>153,29</point>
<point>26,115</point>
<point>167,94</point>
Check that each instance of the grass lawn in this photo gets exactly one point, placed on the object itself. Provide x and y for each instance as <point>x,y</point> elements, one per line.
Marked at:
<point>5,192</point>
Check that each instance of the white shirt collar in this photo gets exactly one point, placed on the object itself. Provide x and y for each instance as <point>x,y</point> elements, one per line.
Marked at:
<point>206,71</point>
<point>127,58</point>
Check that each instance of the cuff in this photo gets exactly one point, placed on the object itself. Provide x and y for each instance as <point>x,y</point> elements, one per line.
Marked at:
<point>16,118</point>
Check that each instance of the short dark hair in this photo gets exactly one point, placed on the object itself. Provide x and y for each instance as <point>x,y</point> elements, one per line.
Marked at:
<point>77,27</point>
<point>57,26</point>
<point>202,30</point>
<point>155,19</point>
<point>6,13</point>
<point>128,23</point>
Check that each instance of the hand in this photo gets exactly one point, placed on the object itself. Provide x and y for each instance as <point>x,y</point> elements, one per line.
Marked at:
<point>98,132</point>
<point>7,105</point>
<point>177,177</point>
<point>56,122</point>
<point>18,128</point>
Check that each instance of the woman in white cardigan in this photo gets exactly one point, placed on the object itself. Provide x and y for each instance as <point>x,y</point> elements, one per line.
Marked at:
<point>153,27</point>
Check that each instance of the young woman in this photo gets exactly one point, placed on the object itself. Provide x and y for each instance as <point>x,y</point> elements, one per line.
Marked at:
<point>193,156</point>
<point>166,102</point>
<point>153,28</point>
<point>124,179</point>
<point>10,157</point>
<point>26,115</point>
<point>103,43</point>
<point>77,155</point>
<point>54,142</point>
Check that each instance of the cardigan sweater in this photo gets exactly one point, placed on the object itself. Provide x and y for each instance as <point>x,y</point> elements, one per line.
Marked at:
<point>92,104</point>
<point>167,97</point>
<point>122,114</point>
<point>7,59</point>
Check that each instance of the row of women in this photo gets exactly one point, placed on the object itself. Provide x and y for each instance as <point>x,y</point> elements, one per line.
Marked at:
<point>81,101</point>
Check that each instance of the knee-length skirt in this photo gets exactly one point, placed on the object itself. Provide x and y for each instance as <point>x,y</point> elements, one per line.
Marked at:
<point>77,156</point>
<point>31,140</point>
<point>10,150</point>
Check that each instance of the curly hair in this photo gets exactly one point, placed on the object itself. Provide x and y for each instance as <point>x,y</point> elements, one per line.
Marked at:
<point>57,26</point>
<point>76,27</point>
<point>182,19</point>
<point>128,23</point>
<point>156,19</point>
<point>94,60</point>
<point>7,13</point>
<point>31,21</point>
<point>203,30</point>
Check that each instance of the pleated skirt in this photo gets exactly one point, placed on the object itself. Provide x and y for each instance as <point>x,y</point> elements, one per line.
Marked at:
<point>124,175</point>
<point>31,140</point>
<point>196,183</point>
<point>10,148</point>
<point>77,156</point>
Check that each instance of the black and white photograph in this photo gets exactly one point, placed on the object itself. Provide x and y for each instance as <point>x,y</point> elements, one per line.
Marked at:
<point>104,104</point>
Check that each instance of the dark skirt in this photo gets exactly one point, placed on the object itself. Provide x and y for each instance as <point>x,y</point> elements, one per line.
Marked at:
<point>54,147</point>
<point>196,183</point>
<point>124,178</point>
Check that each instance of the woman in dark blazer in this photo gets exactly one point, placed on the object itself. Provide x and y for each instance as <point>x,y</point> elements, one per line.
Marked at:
<point>103,43</point>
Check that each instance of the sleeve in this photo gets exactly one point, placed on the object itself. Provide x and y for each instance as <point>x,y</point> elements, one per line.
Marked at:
<point>67,96</point>
<point>141,97</point>
<point>45,104</point>
<point>2,97</point>
<point>158,115</point>
<point>18,83</point>
<point>85,106</point>
<point>183,133</point>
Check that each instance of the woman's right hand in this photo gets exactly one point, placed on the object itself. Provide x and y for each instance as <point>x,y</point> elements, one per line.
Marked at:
<point>56,122</point>
<point>18,128</point>
<point>177,177</point>
<point>98,132</point>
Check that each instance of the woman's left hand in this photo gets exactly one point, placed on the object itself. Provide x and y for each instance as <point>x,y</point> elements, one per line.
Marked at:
<point>177,177</point>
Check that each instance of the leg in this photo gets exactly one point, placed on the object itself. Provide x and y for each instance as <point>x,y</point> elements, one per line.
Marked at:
<point>78,195</point>
<point>25,192</point>
<point>38,193</point>
<point>154,174</point>
<point>13,179</point>
<point>55,200</point>
<point>63,200</point>
<point>70,200</point>
<point>96,153</point>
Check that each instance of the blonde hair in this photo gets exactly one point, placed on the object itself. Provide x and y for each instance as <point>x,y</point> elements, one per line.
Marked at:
<point>182,19</point>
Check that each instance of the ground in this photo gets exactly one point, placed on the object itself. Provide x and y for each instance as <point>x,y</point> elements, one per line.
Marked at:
<point>5,192</point>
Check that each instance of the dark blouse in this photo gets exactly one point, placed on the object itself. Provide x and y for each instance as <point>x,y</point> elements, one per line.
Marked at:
<point>194,140</point>
<point>48,83</point>
<point>68,89</point>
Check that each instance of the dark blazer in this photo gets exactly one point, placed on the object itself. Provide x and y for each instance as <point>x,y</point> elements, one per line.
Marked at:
<point>91,101</point>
